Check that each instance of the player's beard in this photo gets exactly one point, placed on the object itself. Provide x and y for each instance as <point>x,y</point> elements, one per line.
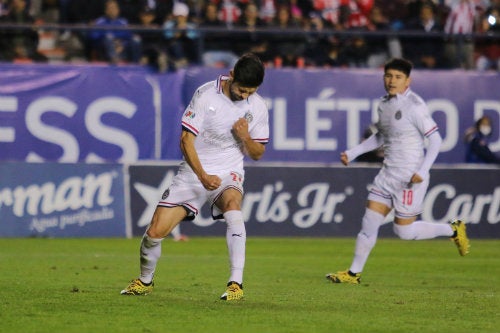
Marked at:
<point>232,95</point>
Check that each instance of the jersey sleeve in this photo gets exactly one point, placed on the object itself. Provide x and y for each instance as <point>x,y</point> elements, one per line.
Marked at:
<point>423,120</point>
<point>193,115</point>
<point>260,132</point>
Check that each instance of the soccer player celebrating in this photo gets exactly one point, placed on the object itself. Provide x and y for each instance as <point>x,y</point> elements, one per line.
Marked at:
<point>403,123</point>
<point>225,120</point>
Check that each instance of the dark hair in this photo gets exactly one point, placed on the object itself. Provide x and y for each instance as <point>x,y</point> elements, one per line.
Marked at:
<point>399,64</point>
<point>480,120</point>
<point>249,71</point>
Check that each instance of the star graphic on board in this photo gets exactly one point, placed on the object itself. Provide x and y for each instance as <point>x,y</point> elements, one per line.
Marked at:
<point>151,195</point>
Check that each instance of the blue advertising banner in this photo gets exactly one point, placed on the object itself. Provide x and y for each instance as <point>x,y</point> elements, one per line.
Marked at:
<point>83,114</point>
<point>127,114</point>
<point>61,200</point>
<point>317,113</point>
<point>325,201</point>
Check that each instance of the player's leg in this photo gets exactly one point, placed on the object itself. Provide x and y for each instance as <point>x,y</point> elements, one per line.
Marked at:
<point>420,229</point>
<point>378,206</point>
<point>163,221</point>
<point>408,205</point>
<point>367,237</point>
<point>230,205</point>
<point>409,229</point>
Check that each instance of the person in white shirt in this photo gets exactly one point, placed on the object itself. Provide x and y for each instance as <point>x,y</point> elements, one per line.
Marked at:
<point>461,22</point>
<point>225,120</point>
<point>403,123</point>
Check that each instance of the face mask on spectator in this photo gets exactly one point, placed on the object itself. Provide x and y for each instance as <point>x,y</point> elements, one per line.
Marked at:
<point>485,130</point>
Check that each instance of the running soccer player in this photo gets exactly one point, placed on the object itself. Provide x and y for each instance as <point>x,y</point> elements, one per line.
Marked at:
<point>403,123</point>
<point>225,120</point>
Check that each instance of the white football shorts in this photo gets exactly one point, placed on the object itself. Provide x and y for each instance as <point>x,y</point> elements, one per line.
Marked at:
<point>406,199</point>
<point>186,190</point>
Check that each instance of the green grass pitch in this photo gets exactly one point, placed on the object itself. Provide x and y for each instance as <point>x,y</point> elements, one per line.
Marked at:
<point>73,285</point>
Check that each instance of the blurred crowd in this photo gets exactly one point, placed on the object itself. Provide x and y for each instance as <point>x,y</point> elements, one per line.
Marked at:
<point>172,34</point>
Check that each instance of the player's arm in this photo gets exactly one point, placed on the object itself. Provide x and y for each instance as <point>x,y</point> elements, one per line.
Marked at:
<point>253,149</point>
<point>374,141</point>
<point>426,125</point>
<point>431,154</point>
<point>210,182</point>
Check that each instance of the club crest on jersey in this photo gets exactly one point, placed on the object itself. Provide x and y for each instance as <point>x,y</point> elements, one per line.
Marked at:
<point>398,115</point>
<point>189,114</point>
<point>248,117</point>
<point>165,194</point>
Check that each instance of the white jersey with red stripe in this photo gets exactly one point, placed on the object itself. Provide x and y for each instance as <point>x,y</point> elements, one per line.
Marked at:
<point>403,122</point>
<point>210,116</point>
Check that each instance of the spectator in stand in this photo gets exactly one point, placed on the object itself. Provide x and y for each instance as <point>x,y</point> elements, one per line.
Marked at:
<point>85,11</point>
<point>425,52</point>
<point>115,46</point>
<point>268,10</point>
<point>153,45</point>
<point>460,23</point>
<point>413,9</point>
<point>344,14</point>
<point>57,45</point>
<point>250,19</point>
<point>395,11</point>
<point>182,36</point>
<point>3,7</point>
<point>46,11</point>
<point>321,49</point>
<point>298,8</point>
<point>196,10</point>
<point>381,48</point>
<point>354,17</point>
<point>230,12</point>
<point>477,139</point>
<point>64,11</point>
<point>217,49</point>
<point>19,45</point>
<point>356,52</point>
<point>334,55</point>
<point>250,40</point>
<point>162,9</point>
<point>356,13</point>
<point>287,48</point>
<point>331,11</point>
<point>129,10</point>
<point>488,49</point>
<point>211,16</point>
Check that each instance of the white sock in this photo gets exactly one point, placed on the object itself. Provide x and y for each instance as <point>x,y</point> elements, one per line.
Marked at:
<point>150,253</point>
<point>422,230</point>
<point>236,238</point>
<point>367,237</point>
